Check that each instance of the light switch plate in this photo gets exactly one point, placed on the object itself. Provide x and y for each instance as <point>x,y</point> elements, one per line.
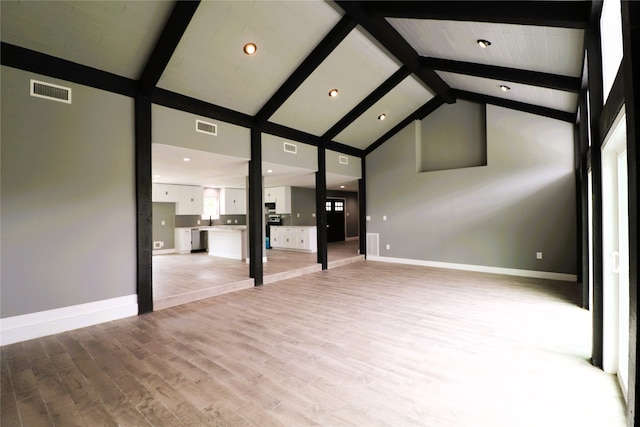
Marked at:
<point>368,217</point>
<point>538,255</point>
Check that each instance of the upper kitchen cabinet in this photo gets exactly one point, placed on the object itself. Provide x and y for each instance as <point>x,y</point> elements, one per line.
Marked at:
<point>190,200</point>
<point>232,201</point>
<point>281,196</point>
<point>164,193</point>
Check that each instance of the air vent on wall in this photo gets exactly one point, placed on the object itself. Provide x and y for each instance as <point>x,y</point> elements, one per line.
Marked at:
<point>290,148</point>
<point>208,128</point>
<point>50,91</point>
<point>373,244</point>
<point>343,160</point>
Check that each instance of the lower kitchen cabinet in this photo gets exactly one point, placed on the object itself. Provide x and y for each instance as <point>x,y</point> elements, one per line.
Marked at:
<point>298,238</point>
<point>183,240</point>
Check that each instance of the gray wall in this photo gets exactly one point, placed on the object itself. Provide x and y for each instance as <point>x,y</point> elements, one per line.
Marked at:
<point>306,156</point>
<point>303,206</point>
<point>177,128</point>
<point>498,215</point>
<point>453,137</point>
<point>165,233</point>
<point>68,214</point>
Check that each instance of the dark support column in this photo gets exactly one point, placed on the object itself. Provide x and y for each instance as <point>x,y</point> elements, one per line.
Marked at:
<point>321,213</point>
<point>584,199</point>
<point>579,216</point>
<point>143,201</point>
<point>362,208</point>
<point>594,55</point>
<point>256,208</point>
<point>631,68</point>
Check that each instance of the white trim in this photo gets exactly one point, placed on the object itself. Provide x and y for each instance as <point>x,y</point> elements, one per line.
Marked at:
<point>163,251</point>
<point>35,325</point>
<point>479,268</point>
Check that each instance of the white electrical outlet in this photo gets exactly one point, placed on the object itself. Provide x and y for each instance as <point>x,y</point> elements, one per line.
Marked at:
<point>198,222</point>
<point>298,214</point>
<point>236,221</point>
<point>388,246</point>
<point>313,215</point>
<point>538,255</point>
<point>368,218</point>
<point>384,217</point>
<point>228,221</point>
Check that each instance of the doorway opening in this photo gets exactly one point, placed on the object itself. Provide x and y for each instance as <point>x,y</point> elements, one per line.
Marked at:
<point>615,244</point>
<point>336,219</point>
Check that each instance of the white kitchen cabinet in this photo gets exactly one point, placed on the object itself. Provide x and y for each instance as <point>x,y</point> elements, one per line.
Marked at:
<point>190,200</point>
<point>183,240</point>
<point>281,196</point>
<point>294,238</point>
<point>232,201</point>
<point>164,193</point>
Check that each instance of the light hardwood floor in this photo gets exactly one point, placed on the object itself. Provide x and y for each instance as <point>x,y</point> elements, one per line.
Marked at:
<point>178,279</point>
<point>366,344</point>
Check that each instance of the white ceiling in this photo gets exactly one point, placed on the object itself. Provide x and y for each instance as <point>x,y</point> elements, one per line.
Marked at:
<point>356,67</point>
<point>208,64</point>
<point>114,36</point>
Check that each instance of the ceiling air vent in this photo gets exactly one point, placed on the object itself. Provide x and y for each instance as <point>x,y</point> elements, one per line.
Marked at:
<point>343,160</point>
<point>290,148</point>
<point>50,91</point>
<point>208,128</point>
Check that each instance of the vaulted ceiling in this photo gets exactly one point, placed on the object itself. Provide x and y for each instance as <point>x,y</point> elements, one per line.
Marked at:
<point>400,59</point>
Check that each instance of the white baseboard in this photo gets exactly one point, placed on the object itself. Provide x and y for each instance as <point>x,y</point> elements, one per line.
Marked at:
<point>35,325</point>
<point>479,268</point>
<point>163,251</point>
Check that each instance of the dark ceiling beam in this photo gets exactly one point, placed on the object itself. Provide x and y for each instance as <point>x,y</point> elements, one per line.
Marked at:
<point>535,78</point>
<point>569,14</point>
<point>515,105</point>
<point>382,31</point>
<point>308,66</point>
<point>367,103</point>
<point>419,114</point>
<point>167,42</point>
<point>36,62</point>
<point>201,108</point>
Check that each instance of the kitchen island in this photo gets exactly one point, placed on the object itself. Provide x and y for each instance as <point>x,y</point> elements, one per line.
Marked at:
<point>227,241</point>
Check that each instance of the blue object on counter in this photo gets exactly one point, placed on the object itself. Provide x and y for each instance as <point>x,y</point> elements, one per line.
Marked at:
<point>267,244</point>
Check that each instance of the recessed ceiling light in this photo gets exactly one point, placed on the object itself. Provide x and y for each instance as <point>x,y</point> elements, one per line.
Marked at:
<point>186,159</point>
<point>382,116</point>
<point>250,48</point>
<point>269,171</point>
<point>333,93</point>
<point>505,88</point>
<point>342,186</point>
<point>483,43</point>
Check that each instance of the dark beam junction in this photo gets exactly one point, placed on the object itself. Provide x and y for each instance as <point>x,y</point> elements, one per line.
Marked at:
<point>382,31</point>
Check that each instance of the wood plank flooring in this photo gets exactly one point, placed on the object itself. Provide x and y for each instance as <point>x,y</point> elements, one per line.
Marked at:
<point>366,344</point>
<point>179,279</point>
